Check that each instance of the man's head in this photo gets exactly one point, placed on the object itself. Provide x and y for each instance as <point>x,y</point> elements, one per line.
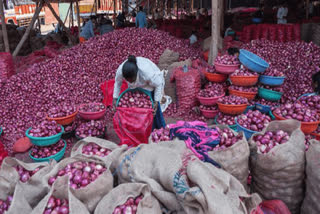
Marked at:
<point>140,8</point>
<point>130,69</point>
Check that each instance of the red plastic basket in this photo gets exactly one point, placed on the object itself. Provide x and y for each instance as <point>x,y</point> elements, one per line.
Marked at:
<point>216,77</point>
<point>64,120</point>
<point>209,101</point>
<point>244,81</point>
<point>91,115</point>
<point>209,113</point>
<point>248,95</point>
<point>232,109</point>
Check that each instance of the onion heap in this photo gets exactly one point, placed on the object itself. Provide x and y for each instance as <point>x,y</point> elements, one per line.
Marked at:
<point>274,72</point>
<point>57,206</point>
<point>70,128</point>
<point>233,100</point>
<point>135,99</point>
<point>227,138</point>
<point>211,69</point>
<point>45,129</point>
<point>95,149</point>
<point>92,128</point>
<point>254,120</point>
<point>273,88</point>
<point>61,111</point>
<point>226,119</point>
<point>270,139</point>
<point>268,103</point>
<point>243,72</point>
<point>47,151</point>
<point>244,89</point>
<point>92,107</point>
<point>298,112</point>
<point>81,173</point>
<point>227,60</point>
<point>312,102</point>
<point>4,205</point>
<point>130,207</point>
<point>162,134</point>
<point>212,90</point>
<point>208,108</point>
<point>24,174</point>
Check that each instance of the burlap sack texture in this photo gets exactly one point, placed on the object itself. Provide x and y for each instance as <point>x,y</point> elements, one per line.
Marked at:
<point>34,190</point>
<point>59,190</point>
<point>279,174</point>
<point>119,195</point>
<point>235,159</point>
<point>167,58</point>
<point>91,194</point>
<point>310,203</point>
<point>19,203</point>
<point>110,159</point>
<point>181,182</point>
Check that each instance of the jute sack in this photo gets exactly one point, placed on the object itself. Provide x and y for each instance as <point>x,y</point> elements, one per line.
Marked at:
<point>194,184</point>
<point>19,203</point>
<point>167,58</point>
<point>310,203</point>
<point>110,159</point>
<point>119,195</point>
<point>60,191</point>
<point>279,174</point>
<point>34,190</point>
<point>91,194</point>
<point>234,159</point>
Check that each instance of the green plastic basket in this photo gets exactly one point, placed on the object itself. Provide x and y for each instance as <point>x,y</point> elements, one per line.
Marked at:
<point>45,141</point>
<point>0,131</point>
<point>56,157</point>
<point>133,90</point>
<point>233,127</point>
<point>269,94</point>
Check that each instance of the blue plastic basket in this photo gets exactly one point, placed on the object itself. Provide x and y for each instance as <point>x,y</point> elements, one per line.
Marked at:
<point>248,133</point>
<point>44,141</point>
<point>56,157</point>
<point>270,80</point>
<point>0,131</point>
<point>252,61</point>
<point>249,108</point>
<point>263,108</point>
<point>136,89</point>
<point>269,94</point>
<point>233,127</point>
<point>308,94</point>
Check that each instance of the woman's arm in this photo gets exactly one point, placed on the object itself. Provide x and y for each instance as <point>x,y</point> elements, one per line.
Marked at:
<point>118,83</point>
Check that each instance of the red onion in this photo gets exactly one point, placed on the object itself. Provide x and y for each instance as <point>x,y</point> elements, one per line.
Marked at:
<point>61,111</point>
<point>254,120</point>
<point>233,100</point>
<point>298,112</point>
<point>162,134</point>
<point>268,103</point>
<point>45,129</point>
<point>129,207</point>
<point>92,128</point>
<point>135,99</point>
<point>24,174</point>
<point>47,151</point>
<point>70,128</point>
<point>212,90</point>
<point>95,149</point>
<point>211,69</point>
<point>308,137</point>
<point>226,119</point>
<point>243,72</point>
<point>227,138</point>
<point>312,102</point>
<point>227,60</point>
<point>269,140</point>
<point>273,88</point>
<point>208,108</point>
<point>57,206</point>
<point>92,107</point>
<point>244,89</point>
<point>4,205</point>
<point>273,72</point>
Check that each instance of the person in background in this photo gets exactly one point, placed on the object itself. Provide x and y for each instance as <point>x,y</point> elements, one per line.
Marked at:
<point>193,38</point>
<point>142,73</point>
<point>233,51</point>
<point>88,30</point>
<point>141,19</point>
<point>105,26</point>
<point>282,14</point>
<point>156,15</point>
<point>120,19</point>
<point>198,14</point>
<point>316,82</point>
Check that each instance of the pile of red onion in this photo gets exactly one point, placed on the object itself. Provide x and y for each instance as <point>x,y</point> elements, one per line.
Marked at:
<point>233,100</point>
<point>312,102</point>
<point>130,207</point>
<point>80,173</point>
<point>57,206</point>
<point>243,72</point>
<point>226,119</point>
<point>95,149</point>
<point>47,151</point>
<point>61,111</point>
<point>270,139</point>
<point>45,129</point>
<point>92,107</point>
<point>212,90</point>
<point>273,88</point>
<point>24,174</point>
<point>70,128</point>
<point>208,108</point>
<point>268,103</point>
<point>297,111</point>
<point>227,60</point>
<point>211,69</point>
<point>4,205</point>
<point>254,120</point>
<point>162,134</point>
<point>227,138</point>
<point>274,72</point>
<point>92,128</point>
<point>135,99</point>
<point>244,89</point>
<point>308,137</point>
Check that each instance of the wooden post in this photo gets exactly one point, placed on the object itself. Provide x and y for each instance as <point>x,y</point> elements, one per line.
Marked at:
<point>71,13</point>
<point>78,16</point>
<point>307,9</point>
<point>4,29</point>
<point>64,22</point>
<point>215,29</point>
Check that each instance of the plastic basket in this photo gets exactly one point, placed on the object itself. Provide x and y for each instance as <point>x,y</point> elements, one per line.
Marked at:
<point>0,131</point>
<point>269,94</point>
<point>263,108</point>
<point>209,113</point>
<point>64,120</point>
<point>249,108</point>
<point>133,90</point>
<point>244,80</point>
<point>308,94</point>
<point>317,135</point>
<point>247,132</point>
<point>248,95</point>
<point>45,141</point>
<point>57,157</point>
<point>216,77</point>
<point>232,109</point>
<point>225,69</point>
<point>270,80</point>
<point>256,20</point>
<point>233,127</point>
<point>209,101</point>
<point>91,115</point>
<point>252,61</point>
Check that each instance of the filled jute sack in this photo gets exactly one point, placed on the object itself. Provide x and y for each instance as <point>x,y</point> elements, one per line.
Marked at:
<point>181,182</point>
<point>119,195</point>
<point>34,190</point>
<point>19,203</point>
<point>60,191</point>
<point>234,159</point>
<point>167,58</point>
<point>110,159</point>
<point>279,174</point>
<point>91,194</point>
<point>310,203</point>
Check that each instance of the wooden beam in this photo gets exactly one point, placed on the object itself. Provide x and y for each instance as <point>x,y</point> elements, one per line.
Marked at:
<point>4,29</point>
<point>78,16</point>
<point>215,29</point>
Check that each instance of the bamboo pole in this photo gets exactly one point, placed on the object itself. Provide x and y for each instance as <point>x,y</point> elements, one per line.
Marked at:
<point>4,29</point>
<point>78,17</point>
<point>215,29</point>
<point>71,12</point>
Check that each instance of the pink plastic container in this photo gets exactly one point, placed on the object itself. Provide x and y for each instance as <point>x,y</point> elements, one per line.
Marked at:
<point>209,113</point>
<point>209,101</point>
<point>91,115</point>
<point>226,69</point>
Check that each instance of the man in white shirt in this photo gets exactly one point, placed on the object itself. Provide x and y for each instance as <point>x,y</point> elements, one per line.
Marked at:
<point>193,38</point>
<point>282,14</point>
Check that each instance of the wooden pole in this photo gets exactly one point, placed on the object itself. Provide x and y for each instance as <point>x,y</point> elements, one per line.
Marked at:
<point>307,9</point>
<point>64,22</point>
<point>78,16</point>
<point>71,6</point>
<point>26,34</point>
<point>4,28</point>
<point>215,29</point>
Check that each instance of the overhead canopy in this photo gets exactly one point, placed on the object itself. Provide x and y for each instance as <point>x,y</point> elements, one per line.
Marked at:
<point>60,1</point>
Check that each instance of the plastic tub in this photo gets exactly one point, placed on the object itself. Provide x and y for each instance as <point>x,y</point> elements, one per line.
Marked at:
<point>244,80</point>
<point>248,95</point>
<point>317,135</point>
<point>233,127</point>
<point>269,94</point>
<point>92,115</point>
<point>209,101</point>
<point>209,113</point>
<point>134,90</point>
<point>64,120</point>
<point>232,109</point>
<point>263,108</point>
<point>249,108</point>
<point>252,61</point>
<point>216,77</point>
<point>56,157</point>
<point>247,132</point>
<point>225,69</point>
<point>0,131</point>
<point>45,141</point>
<point>270,80</point>
<point>256,20</point>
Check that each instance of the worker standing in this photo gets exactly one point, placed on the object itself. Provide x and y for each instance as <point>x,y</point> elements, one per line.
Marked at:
<point>87,31</point>
<point>105,26</point>
<point>282,14</point>
<point>141,19</point>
